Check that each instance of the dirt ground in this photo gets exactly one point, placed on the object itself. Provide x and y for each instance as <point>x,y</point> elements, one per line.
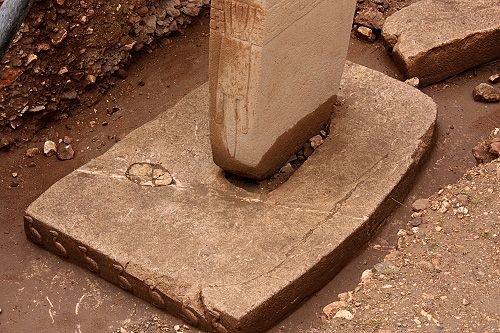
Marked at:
<point>39,292</point>
<point>443,276</point>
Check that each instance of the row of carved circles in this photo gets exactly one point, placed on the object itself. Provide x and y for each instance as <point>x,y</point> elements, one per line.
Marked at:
<point>61,250</point>
<point>155,296</point>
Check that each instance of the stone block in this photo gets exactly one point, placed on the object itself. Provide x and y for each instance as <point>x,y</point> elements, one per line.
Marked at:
<point>157,217</point>
<point>435,39</point>
<point>275,68</point>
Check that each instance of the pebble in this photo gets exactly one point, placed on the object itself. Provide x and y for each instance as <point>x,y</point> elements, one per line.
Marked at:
<point>414,82</point>
<point>366,275</point>
<point>420,204</point>
<point>345,314</point>
<point>67,140</point>
<point>316,141</point>
<point>308,150</point>
<point>14,175</point>
<point>49,148</point>
<point>288,168</point>
<point>385,268</point>
<point>366,33</point>
<point>438,228</point>
<point>31,152</point>
<point>495,78</point>
<point>486,93</point>
<point>370,18</point>
<point>416,221</point>
<point>495,148</point>
<point>65,152</point>
<point>333,307</point>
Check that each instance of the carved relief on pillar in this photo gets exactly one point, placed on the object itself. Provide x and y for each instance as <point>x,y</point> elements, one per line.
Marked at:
<point>240,26</point>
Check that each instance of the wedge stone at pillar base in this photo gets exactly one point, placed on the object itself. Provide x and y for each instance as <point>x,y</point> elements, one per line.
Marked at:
<point>155,216</point>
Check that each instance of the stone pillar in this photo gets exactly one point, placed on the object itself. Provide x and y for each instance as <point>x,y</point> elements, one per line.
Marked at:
<point>275,68</point>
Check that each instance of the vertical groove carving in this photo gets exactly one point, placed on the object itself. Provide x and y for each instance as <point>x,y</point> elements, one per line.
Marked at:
<point>123,282</point>
<point>36,236</point>
<point>92,264</point>
<point>60,248</point>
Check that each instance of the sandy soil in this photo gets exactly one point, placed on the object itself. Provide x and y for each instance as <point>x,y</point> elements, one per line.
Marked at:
<point>39,292</point>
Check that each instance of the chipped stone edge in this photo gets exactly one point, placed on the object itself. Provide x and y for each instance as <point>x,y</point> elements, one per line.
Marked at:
<point>445,59</point>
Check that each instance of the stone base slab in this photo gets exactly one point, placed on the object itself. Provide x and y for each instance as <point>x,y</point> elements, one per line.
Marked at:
<point>157,217</point>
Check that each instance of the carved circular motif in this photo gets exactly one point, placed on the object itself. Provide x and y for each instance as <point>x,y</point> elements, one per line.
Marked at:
<point>35,234</point>
<point>124,283</point>
<point>157,299</point>
<point>190,317</point>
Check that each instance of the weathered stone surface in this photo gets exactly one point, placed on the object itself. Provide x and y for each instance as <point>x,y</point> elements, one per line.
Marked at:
<point>486,93</point>
<point>275,67</point>
<point>221,257</point>
<point>435,39</point>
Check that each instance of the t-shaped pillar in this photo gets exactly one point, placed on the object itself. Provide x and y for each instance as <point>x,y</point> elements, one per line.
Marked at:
<point>275,68</point>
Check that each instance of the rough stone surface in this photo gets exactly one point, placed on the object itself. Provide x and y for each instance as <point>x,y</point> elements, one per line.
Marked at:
<point>275,68</point>
<point>366,33</point>
<point>435,39</point>
<point>486,93</point>
<point>220,257</point>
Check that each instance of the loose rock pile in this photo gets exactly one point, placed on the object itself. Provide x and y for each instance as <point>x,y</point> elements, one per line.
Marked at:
<point>441,276</point>
<point>371,14</point>
<point>66,48</point>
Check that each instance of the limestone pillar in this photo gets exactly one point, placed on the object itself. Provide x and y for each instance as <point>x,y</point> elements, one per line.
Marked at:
<point>275,68</point>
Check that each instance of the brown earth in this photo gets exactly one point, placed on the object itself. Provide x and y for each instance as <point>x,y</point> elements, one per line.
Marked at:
<point>442,275</point>
<point>39,292</point>
<point>68,53</point>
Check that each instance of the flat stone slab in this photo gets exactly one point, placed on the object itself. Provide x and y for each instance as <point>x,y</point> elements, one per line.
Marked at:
<point>436,39</point>
<point>157,217</point>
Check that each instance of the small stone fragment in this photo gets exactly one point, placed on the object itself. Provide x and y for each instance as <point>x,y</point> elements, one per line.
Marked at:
<point>288,168</point>
<point>414,82</point>
<point>14,175</point>
<point>333,307</point>
<point>385,268</point>
<point>366,33</point>
<point>495,148</point>
<point>67,140</point>
<point>486,93</point>
<point>69,95</point>
<point>49,148</point>
<point>65,152</point>
<point>316,141</point>
<point>495,78</point>
<point>308,150</point>
<point>481,153</point>
<point>122,74</point>
<point>345,314</point>
<point>366,275</point>
<point>420,204</point>
<point>31,152</point>
<point>370,18</point>
<point>416,221</point>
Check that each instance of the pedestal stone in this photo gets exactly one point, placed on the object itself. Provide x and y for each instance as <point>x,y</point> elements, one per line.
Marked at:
<point>157,217</point>
<point>275,68</point>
